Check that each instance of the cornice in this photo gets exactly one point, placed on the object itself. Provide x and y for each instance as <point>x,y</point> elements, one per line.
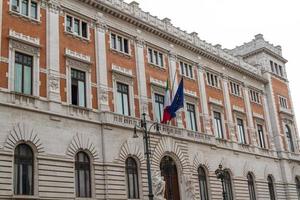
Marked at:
<point>131,13</point>
<point>266,50</point>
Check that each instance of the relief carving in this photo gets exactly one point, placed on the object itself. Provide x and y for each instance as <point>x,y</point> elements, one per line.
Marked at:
<point>24,47</point>
<point>54,83</point>
<point>189,188</point>
<point>158,186</point>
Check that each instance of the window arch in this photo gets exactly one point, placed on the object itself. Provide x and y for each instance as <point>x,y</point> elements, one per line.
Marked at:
<point>289,138</point>
<point>228,185</point>
<point>132,178</point>
<point>251,186</point>
<point>82,175</point>
<point>271,187</point>
<point>23,170</point>
<point>297,179</point>
<point>203,183</point>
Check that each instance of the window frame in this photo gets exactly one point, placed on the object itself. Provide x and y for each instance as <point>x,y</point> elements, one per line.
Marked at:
<point>251,186</point>
<point>255,96</point>
<point>33,170</point>
<point>215,128</point>
<point>204,192</point>
<point>128,99</point>
<point>87,165</point>
<point>271,187</point>
<point>155,105</point>
<point>85,87</point>
<point>235,89</point>
<point>186,70</point>
<point>241,130</point>
<point>261,135</point>
<point>81,21</point>
<point>151,57</point>
<point>283,102</point>
<point>228,185</point>
<point>19,11</point>
<point>122,47</point>
<point>289,138</point>
<point>212,80</point>
<point>136,184</point>
<point>297,182</point>
<point>195,117</point>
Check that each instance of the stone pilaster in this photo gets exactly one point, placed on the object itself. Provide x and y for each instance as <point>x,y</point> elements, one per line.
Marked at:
<point>141,76</point>
<point>1,7</point>
<point>174,83</point>
<point>101,63</point>
<point>203,100</point>
<point>228,108</point>
<point>268,121</point>
<point>53,9</point>
<point>251,129</point>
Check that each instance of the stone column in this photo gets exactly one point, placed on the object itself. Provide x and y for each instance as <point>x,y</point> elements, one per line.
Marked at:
<point>251,129</point>
<point>268,121</point>
<point>228,109</point>
<point>203,100</point>
<point>141,76</point>
<point>54,97</point>
<point>174,83</point>
<point>101,64</point>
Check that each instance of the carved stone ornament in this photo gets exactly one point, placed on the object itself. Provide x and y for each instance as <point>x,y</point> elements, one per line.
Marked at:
<point>103,95</point>
<point>189,188</point>
<point>78,64</point>
<point>24,47</point>
<point>54,6</point>
<point>54,83</point>
<point>158,186</point>
<point>100,21</point>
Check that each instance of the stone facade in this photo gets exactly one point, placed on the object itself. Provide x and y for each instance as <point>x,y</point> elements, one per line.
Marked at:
<point>57,130</point>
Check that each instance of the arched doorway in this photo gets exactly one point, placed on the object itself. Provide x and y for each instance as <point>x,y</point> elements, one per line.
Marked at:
<point>169,172</point>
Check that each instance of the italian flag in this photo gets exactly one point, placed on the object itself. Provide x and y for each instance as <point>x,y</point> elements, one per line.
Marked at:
<point>167,103</point>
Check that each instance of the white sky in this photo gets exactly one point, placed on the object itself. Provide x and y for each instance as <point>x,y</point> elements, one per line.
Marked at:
<point>233,22</point>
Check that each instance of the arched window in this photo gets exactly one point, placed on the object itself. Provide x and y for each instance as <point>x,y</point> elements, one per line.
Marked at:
<point>82,175</point>
<point>271,188</point>
<point>169,172</point>
<point>251,186</point>
<point>298,186</point>
<point>23,170</point>
<point>228,186</point>
<point>289,138</point>
<point>203,183</point>
<point>132,178</point>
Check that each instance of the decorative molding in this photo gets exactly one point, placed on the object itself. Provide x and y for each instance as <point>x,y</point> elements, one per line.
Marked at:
<point>4,60</point>
<point>24,47</point>
<point>21,132</point>
<point>131,147</point>
<point>158,83</point>
<point>78,64</point>
<point>122,70</point>
<point>215,101</point>
<point>257,115</point>
<point>24,38</point>
<point>53,82</point>
<point>238,108</point>
<point>190,93</point>
<point>82,142</point>
<point>77,56</point>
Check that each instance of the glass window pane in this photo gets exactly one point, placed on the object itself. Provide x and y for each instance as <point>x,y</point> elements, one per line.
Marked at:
<point>76,26</point>
<point>69,23</point>
<point>81,93</point>
<point>119,103</point>
<point>27,80</point>
<point>126,105</point>
<point>113,41</point>
<point>126,46</point>
<point>25,7</point>
<point>18,77</point>
<point>34,10</point>
<point>84,29</point>
<point>15,5</point>
<point>119,43</point>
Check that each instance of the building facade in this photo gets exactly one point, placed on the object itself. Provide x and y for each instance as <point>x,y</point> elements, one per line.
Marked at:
<point>76,76</point>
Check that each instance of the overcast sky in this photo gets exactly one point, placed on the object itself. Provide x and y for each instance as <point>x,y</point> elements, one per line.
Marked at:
<point>233,22</point>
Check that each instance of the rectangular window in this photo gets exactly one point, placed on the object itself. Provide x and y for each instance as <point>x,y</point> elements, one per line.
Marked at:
<point>241,131</point>
<point>28,8</point>
<point>15,5</point>
<point>276,68</point>
<point>23,73</point>
<point>255,97</point>
<point>25,5</point>
<point>283,102</point>
<point>212,79</point>
<point>272,66</point>
<point>235,89</point>
<point>159,107</point>
<point>191,117</point>
<point>78,88</point>
<point>261,136</point>
<point>280,71</point>
<point>218,125</point>
<point>119,43</point>
<point>155,57</point>
<point>186,70</point>
<point>33,10</point>
<point>123,105</point>
<point>76,26</point>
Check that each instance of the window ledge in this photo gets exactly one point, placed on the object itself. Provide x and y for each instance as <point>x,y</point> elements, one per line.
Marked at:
<point>237,96</point>
<point>126,55</point>
<point>24,95</point>
<point>187,78</point>
<point>157,66</point>
<point>214,87</point>
<point>25,197</point>
<point>25,17</point>
<point>80,107</point>
<point>259,104</point>
<point>75,36</point>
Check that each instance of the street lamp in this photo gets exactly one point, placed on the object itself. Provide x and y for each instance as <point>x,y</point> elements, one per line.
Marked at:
<point>146,131</point>
<point>220,172</point>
